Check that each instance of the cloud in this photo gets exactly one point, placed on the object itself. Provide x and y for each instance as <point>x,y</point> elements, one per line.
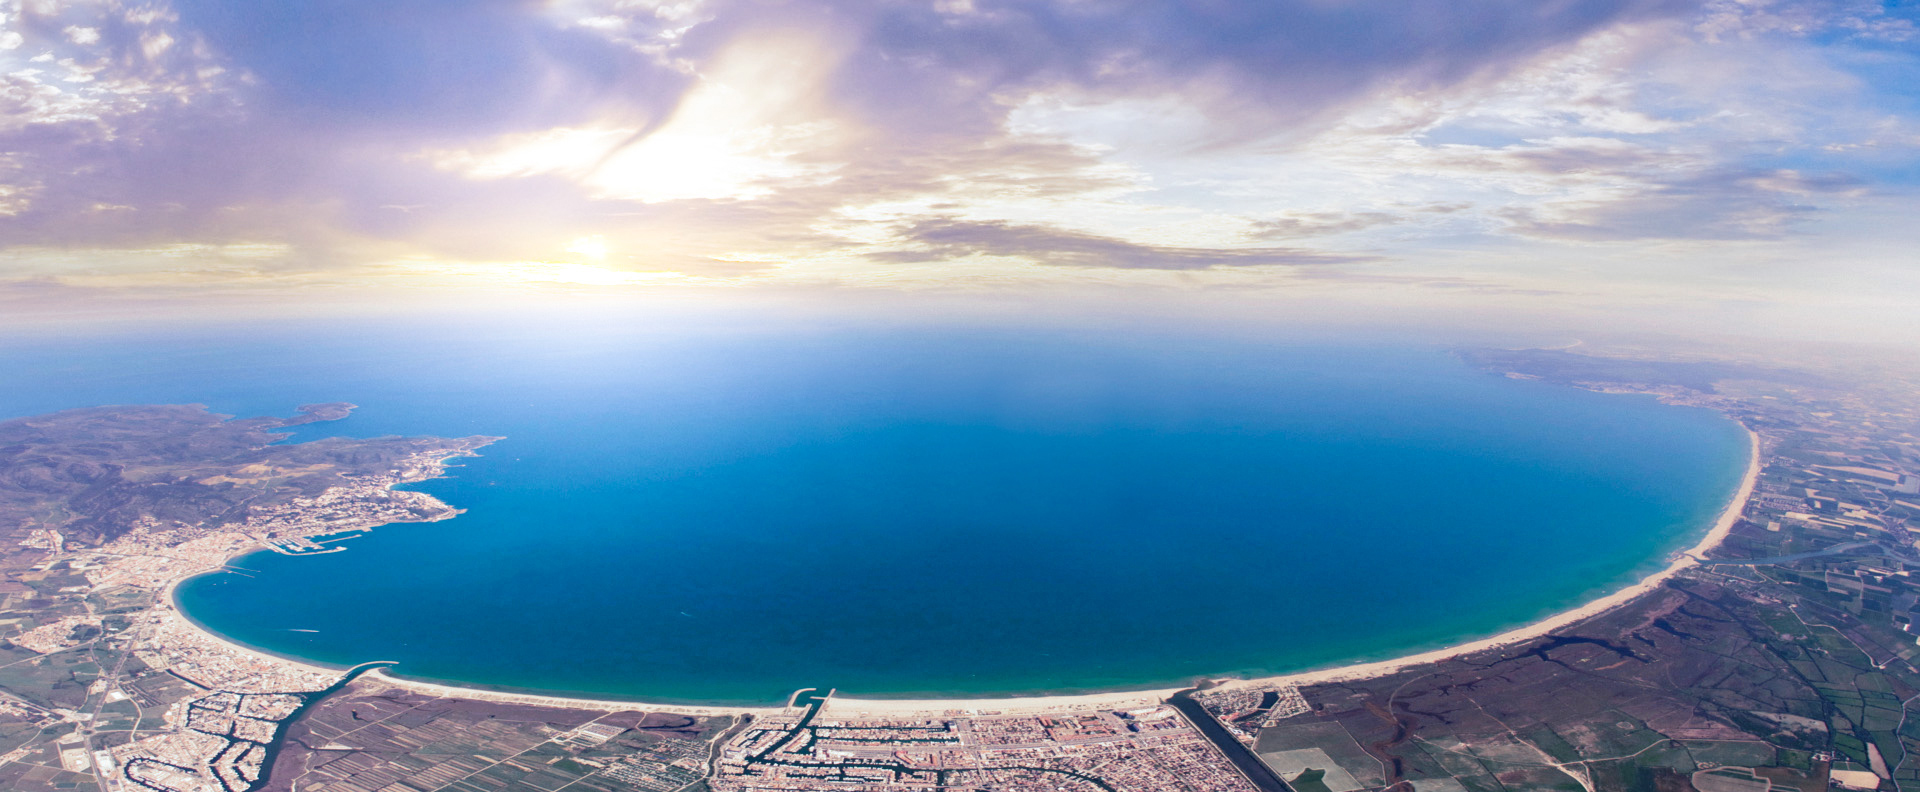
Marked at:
<point>219,122</point>
<point>944,239</point>
<point>1867,20</point>
<point>736,135</point>
<point>1258,64</point>
<point>1317,224</point>
<point>238,120</point>
<point>446,68</point>
<point>1728,205</point>
<point>810,138</point>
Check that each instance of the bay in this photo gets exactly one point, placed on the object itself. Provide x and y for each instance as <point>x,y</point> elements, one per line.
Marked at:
<point>724,514</point>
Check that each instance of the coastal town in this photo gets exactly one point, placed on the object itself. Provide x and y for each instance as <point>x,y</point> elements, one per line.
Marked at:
<point>1152,748</point>
<point>1779,654</point>
<point>105,678</point>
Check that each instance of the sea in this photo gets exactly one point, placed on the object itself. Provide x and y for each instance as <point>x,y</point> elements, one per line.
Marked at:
<point>728,512</point>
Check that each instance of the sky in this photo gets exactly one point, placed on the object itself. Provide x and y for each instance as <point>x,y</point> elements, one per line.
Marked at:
<point>1695,166</point>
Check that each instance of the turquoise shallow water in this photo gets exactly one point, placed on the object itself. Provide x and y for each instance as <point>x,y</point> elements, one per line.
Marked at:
<point>728,515</point>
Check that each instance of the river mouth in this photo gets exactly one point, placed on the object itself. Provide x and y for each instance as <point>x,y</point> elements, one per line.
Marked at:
<point>952,515</point>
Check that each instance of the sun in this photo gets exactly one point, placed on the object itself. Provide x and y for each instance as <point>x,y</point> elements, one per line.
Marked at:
<point>593,247</point>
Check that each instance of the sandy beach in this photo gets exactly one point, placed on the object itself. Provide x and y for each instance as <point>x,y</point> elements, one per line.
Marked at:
<point>1691,557</point>
<point>845,706</point>
<point>171,598</point>
<point>1006,706</point>
<point>433,689</point>
<point>1722,526</point>
<point>453,691</point>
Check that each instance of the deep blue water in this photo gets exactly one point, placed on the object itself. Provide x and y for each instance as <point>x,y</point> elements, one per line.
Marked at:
<point>728,514</point>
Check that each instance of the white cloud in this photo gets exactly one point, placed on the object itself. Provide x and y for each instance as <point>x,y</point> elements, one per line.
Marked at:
<point>1725,20</point>
<point>566,151</point>
<point>154,44</point>
<point>739,135</point>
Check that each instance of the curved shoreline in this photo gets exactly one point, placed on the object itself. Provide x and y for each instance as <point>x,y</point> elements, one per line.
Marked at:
<point>1691,557</point>
<point>1686,559</point>
<point>569,702</point>
<point>171,596</point>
